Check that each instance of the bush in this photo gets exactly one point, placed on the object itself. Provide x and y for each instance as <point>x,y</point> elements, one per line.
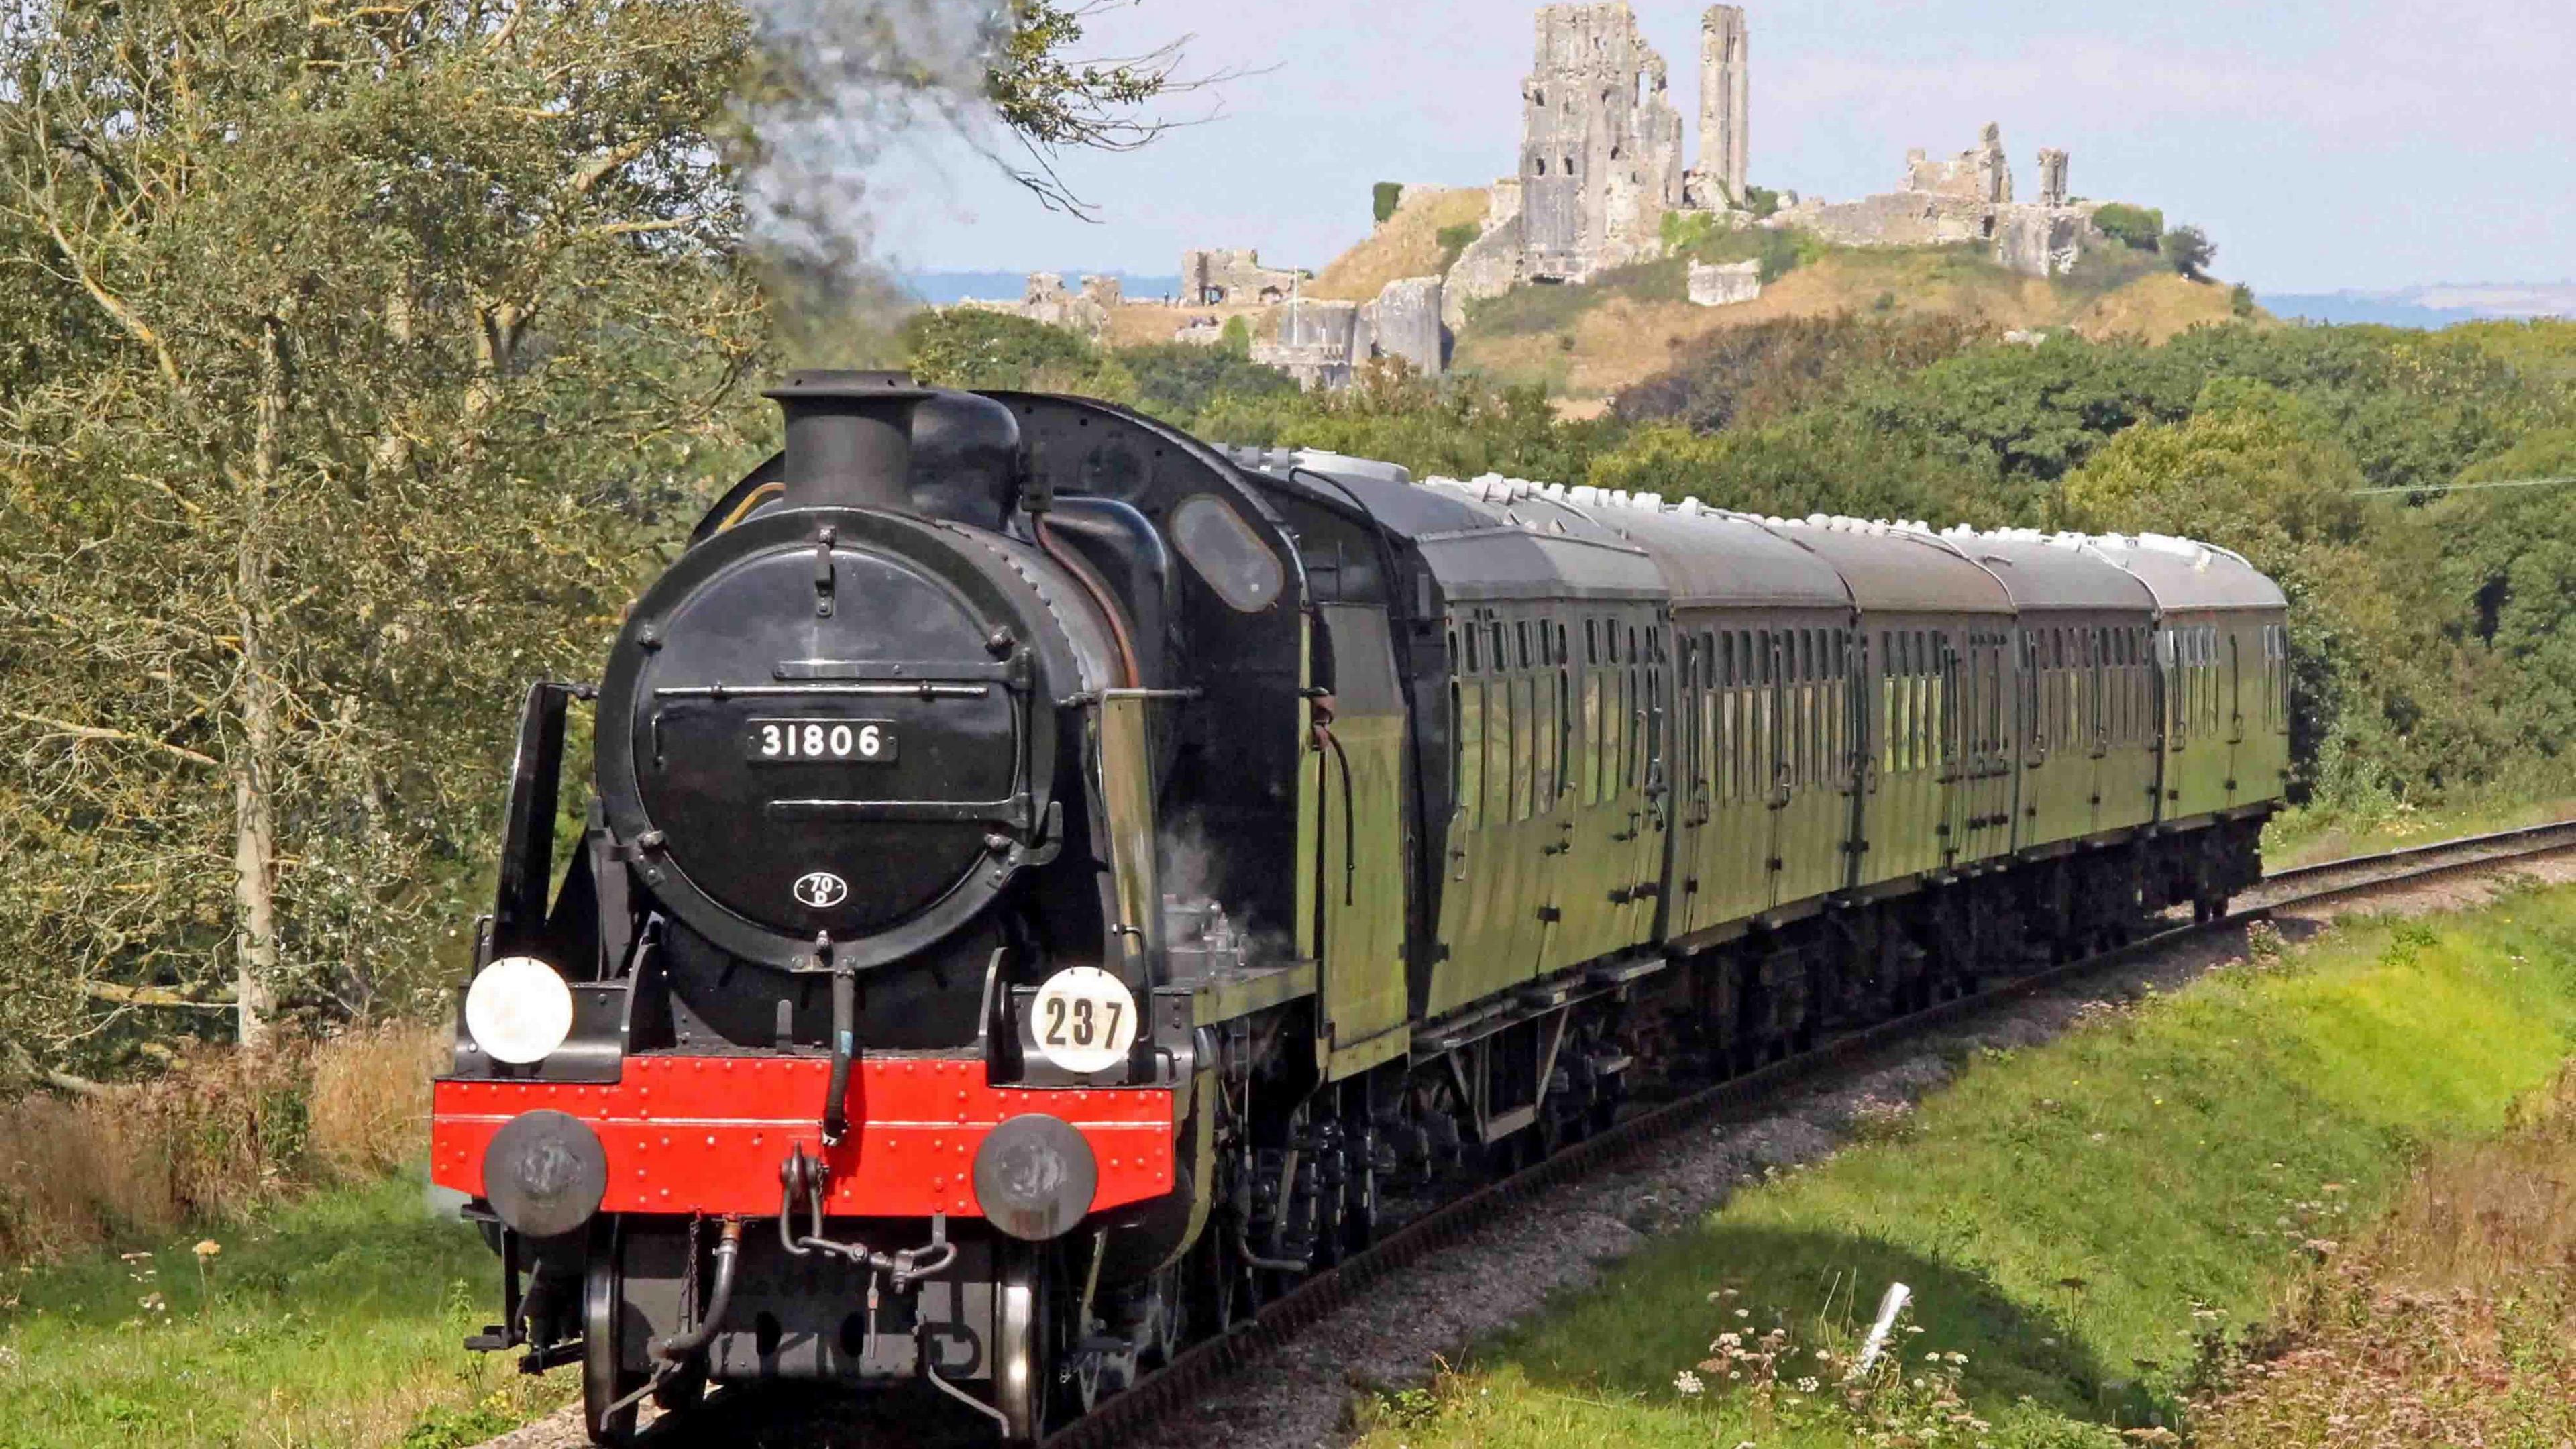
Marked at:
<point>1383,198</point>
<point>1235,340</point>
<point>971,348</point>
<point>2138,227</point>
<point>2240,301</point>
<point>1762,200</point>
<point>2189,250</point>
<point>1454,240</point>
<point>1176,381</point>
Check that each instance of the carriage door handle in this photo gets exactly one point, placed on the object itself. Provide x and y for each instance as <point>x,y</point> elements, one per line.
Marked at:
<point>1631,832</point>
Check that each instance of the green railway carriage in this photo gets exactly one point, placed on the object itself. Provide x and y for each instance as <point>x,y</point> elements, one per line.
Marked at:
<point>2222,667</point>
<point>1764,731</point>
<point>2084,689</point>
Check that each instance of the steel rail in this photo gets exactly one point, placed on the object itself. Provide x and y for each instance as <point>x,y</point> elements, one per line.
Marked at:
<point>1202,1367</point>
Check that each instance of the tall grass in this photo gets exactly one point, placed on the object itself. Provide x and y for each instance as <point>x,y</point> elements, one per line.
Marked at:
<point>219,1136</point>
<point>2453,1319</point>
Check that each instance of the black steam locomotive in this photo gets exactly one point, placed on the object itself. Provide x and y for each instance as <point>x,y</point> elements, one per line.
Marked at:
<point>1043,873</point>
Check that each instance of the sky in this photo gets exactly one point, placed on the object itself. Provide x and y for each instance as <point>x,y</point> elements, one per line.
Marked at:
<point>2322,145</point>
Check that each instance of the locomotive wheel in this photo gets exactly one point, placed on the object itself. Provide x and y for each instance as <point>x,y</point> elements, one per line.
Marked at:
<point>1023,1343</point>
<point>1359,1200</point>
<point>605,1380</point>
<point>1172,1316</point>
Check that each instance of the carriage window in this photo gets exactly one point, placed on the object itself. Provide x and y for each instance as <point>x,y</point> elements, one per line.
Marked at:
<point>1525,738</point>
<point>1226,553</point>
<point>1522,630</point>
<point>1467,705</point>
<point>1590,766</point>
<point>1591,641</point>
<point>1502,660</point>
<point>1475,649</point>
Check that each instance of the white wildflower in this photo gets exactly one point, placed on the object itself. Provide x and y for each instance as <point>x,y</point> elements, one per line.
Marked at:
<point>1687,1382</point>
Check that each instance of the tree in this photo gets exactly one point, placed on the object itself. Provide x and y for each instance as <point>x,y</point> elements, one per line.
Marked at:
<point>2188,250</point>
<point>1383,199</point>
<point>359,360</point>
<point>401,315</point>
<point>2137,227</point>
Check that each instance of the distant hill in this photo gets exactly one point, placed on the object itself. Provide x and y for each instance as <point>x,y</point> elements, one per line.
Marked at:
<point>1587,341</point>
<point>2428,307</point>
<point>938,289</point>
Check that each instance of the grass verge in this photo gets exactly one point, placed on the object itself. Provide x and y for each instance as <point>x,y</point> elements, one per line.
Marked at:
<point>336,1321</point>
<point>2088,1227</point>
<point>2308,834</point>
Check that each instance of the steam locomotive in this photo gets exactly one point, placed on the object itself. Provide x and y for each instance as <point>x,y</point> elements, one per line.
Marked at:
<point>1042,875</point>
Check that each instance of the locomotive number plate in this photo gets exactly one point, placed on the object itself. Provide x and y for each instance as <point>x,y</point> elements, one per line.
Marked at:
<point>1086,1019</point>
<point>835,741</point>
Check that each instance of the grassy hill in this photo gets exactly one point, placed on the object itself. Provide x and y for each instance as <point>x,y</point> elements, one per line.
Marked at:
<point>1407,244</point>
<point>1586,342</point>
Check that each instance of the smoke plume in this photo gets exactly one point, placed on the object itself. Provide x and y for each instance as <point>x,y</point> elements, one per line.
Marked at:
<point>842,83</point>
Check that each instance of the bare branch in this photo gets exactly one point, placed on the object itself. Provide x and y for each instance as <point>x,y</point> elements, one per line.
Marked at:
<point>96,732</point>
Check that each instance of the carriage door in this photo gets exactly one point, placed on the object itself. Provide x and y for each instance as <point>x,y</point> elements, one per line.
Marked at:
<point>2237,759</point>
<point>1361,837</point>
<point>1951,772</point>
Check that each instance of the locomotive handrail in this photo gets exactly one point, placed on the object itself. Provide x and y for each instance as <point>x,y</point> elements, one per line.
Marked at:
<point>923,689</point>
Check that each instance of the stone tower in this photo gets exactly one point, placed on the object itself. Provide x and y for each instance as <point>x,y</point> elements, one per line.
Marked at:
<point>2052,178</point>
<point>1724,93</point>
<point>1601,145</point>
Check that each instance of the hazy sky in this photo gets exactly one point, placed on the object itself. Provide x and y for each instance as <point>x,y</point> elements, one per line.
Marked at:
<point>2321,144</point>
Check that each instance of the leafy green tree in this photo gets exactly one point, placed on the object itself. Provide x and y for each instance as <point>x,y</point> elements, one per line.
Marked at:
<point>2137,227</point>
<point>1383,198</point>
<point>2188,250</point>
<point>1177,381</point>
<point>359,360</point>
<point>404,315</point>
<point>1235,338</point>
<point>970,347</point>
<point>2378,698</point>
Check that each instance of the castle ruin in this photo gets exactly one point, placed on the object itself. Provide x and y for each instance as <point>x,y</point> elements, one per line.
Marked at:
<point>1601,145</point>
<point>1601,164</point>
<point>1725,110</point>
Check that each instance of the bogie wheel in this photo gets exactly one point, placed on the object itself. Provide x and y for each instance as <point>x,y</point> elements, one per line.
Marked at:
<point>1024,1340</point>
<point>608,1387</point>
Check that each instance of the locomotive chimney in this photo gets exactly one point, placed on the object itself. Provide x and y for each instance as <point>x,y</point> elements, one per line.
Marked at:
<point>849,438</point>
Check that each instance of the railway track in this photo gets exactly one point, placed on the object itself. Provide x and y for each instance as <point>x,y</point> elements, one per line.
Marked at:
<point>1196,1371</point>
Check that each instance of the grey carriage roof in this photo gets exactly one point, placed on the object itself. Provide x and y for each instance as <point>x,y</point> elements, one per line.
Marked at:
<point>1479,548</point>
<point>1495,537</point>
<point>1896,568</point>
<point>2185,574</point>
<point>2052,570</point>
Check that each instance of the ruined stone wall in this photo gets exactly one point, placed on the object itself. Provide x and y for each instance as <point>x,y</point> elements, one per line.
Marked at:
<point>1405,321</point>
<point>1725,104</point>
<point>1322,343</point>
<point>1725,283</point>
<point>1980,173</point>
<point>1601,144</point>
<point>1217,275</point>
